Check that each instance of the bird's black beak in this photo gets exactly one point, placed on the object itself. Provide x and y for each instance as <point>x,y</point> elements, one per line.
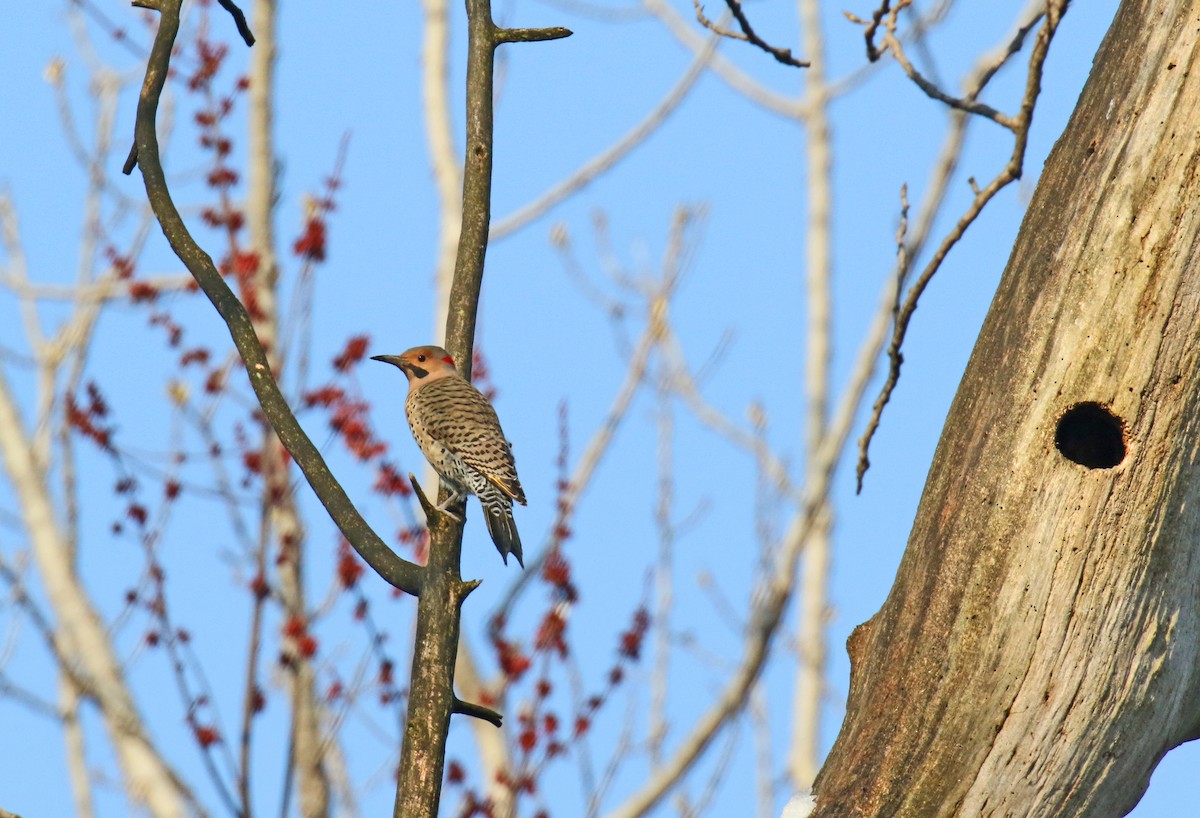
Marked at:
<point>409,369</point>
<point>394,360</point>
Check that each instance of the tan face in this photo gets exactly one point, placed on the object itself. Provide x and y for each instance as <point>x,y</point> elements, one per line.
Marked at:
<point>422,363</point>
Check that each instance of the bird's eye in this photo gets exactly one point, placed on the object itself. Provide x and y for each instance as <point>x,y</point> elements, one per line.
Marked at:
<point>421,359</point>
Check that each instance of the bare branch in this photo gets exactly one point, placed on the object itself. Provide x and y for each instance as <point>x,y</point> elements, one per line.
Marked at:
<point>491,745</point>
<point>82,643</point>
<point>887,18</point>
<point>398,572</point>
<point>812,613</point>
<point>761,725</point>
<point>689,391</point>
<point>443,157</point>
<point>239,19</point>
<point>16,274</point>
<point>1010,173</point>
<point>68,702</point>
<point>701,804</point>
<point>902,262</point>
<point>778,588</point>
<point>664,570</point>
<point>730,74</point>
<point>734,697</point>
<point>262,191</point>
<point>747,35</point>
<point>531,35</point>
<point>478,711</point>
<point>586,467</point>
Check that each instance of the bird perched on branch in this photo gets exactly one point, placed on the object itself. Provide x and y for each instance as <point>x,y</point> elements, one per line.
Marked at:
<point>460,435</point>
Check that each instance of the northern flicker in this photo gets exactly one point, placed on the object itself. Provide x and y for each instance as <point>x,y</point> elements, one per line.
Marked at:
<point>460,435</point>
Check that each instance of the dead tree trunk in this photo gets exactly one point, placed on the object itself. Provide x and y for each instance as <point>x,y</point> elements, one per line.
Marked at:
<point>1038,653</point>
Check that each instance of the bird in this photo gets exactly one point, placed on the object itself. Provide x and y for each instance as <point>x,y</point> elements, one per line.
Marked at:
<point>459,433</point>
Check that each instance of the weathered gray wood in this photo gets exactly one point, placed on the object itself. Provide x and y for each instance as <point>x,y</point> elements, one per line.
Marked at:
<point>1038,653</point>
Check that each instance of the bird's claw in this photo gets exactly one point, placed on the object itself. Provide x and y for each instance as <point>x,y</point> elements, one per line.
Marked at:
<point>444,506</point>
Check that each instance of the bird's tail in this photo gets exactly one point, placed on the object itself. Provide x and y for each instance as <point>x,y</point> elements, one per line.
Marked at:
<point>503,528</point>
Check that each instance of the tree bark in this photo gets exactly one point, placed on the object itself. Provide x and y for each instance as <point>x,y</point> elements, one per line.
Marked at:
<point>1038,653</point>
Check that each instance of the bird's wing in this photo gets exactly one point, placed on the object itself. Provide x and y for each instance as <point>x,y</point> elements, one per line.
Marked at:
<point>472,431</point>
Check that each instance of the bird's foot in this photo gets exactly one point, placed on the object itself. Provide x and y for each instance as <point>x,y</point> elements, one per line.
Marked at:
<point>444,506</point>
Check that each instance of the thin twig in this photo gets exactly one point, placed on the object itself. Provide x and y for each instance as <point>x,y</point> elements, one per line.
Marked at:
<point>664,571</point>
<point>655,332</point>
<point>886,17</point>
<point>531,35</point>
<point>1010,173</point>
<point>720,769</point>
<point>688,390</point>
<point>478,711</point>
<point>765,624</point>
<point>779,586</point>
<point>585,469</point>
<point>902,262</point>
<point>760,724</point>
<point>747,35</point>
<point>74,738</point>
<point>737,79</point>
<point>93,667</point>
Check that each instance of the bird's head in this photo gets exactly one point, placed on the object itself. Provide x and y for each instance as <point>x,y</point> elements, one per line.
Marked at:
<point>422,364</point>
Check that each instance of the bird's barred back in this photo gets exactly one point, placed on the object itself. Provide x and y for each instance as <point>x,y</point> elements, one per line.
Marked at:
<point>453,414</point>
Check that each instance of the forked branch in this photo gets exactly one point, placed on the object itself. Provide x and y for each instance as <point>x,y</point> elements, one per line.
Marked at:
<point>1019,124</point>
<point>886,19</point>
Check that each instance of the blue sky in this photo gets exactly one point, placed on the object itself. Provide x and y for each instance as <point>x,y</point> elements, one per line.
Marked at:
<point>560,103</point>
